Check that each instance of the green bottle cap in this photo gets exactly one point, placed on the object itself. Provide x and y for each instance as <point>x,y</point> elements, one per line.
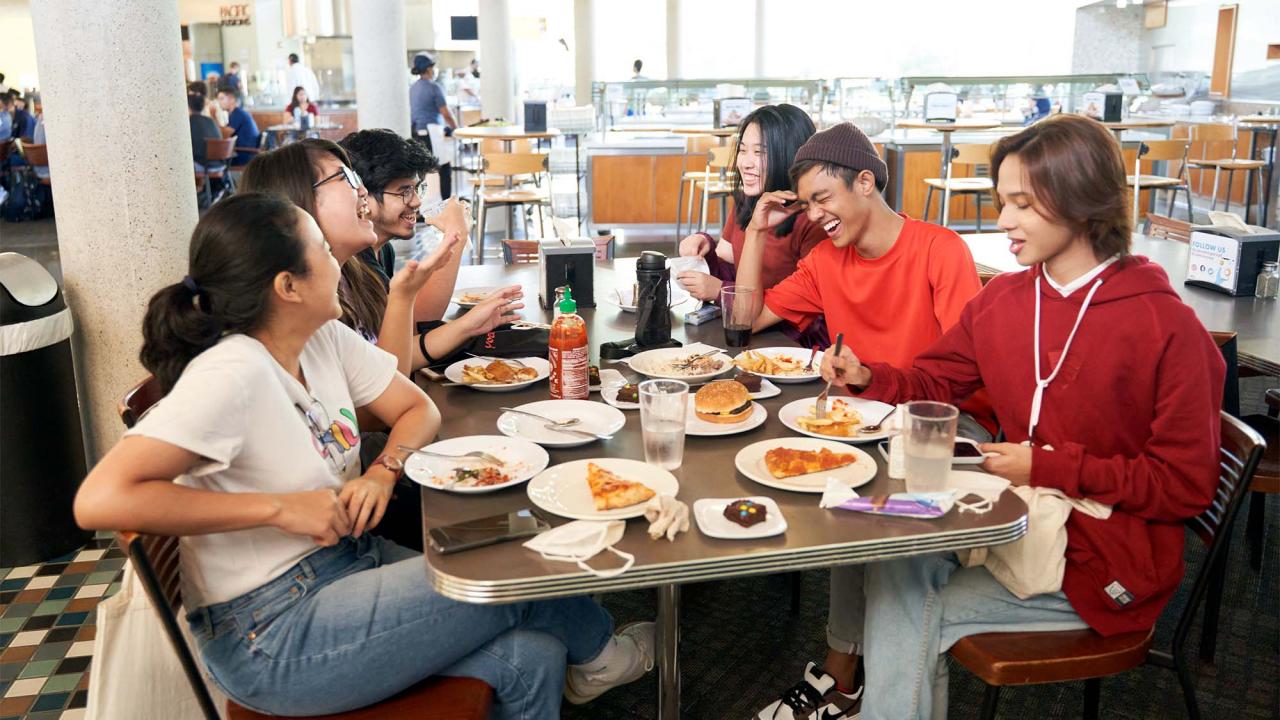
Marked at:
<point>567,305</point>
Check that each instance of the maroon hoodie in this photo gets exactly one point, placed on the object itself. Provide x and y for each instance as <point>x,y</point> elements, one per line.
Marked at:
<point>1132,419</point>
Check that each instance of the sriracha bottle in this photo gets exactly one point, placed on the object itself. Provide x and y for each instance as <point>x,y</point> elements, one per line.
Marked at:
<point>568,353</point>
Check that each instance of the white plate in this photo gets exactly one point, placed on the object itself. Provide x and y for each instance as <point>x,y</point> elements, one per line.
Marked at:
<point>709,512</point>
<point>795,352</point>
<point>750,462</point>
<point>650,363</point>
<point>523,460</point>
<point>595,416</point>
<point>697,426</point>
<point>608,377</point>
<point>461,292</point>
<point>870,410</point>
<point>454,373</point>
<point>622,299</point>
<point>767,390</point>
<point>563,489</point>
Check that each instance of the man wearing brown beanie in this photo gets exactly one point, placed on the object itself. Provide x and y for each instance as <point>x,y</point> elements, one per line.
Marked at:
<point>892,285</point>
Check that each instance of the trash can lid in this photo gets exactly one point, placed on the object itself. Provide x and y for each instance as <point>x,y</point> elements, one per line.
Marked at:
<point>26,280</point>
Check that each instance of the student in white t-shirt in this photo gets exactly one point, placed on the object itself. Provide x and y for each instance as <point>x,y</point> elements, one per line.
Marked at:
<point>252,458</point>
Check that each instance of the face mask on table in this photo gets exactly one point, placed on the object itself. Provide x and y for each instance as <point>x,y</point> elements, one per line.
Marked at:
<point>581,540</point>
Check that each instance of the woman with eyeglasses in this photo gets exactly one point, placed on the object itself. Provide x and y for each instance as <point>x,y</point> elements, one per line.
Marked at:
<point>316,175</point>
<point>251,459</point>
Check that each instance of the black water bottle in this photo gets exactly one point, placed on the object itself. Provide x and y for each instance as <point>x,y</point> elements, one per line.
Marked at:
<point>653,317</point>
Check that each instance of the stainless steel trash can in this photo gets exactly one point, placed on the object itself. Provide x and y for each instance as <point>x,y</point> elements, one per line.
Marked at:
<point>42,460</point>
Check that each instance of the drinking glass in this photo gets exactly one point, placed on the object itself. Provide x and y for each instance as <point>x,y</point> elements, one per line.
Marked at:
<point>929,437</point>
<point>663,407</point>
<point>738,307</point>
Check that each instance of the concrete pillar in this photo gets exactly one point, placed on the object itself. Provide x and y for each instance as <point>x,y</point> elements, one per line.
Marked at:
<point>759,54</point>
<point>673,40</point>
<point>498,77</point>
<point>584,50</point>
<point>382,79</point>
<point>122,182</point>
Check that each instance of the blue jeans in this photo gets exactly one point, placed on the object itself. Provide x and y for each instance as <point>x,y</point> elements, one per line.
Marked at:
<point>356,623</point>
<point>917,608</point>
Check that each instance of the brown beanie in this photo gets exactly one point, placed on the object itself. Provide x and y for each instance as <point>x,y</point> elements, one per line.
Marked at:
<point>846,145</point>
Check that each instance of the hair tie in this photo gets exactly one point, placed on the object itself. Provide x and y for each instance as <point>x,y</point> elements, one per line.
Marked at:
<point>190,283</point>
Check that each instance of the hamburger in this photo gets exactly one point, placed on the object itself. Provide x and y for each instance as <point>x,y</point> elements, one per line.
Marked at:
<point>722,401</point>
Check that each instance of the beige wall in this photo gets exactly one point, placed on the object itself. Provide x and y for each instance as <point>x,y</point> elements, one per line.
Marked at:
<point>18,44</point>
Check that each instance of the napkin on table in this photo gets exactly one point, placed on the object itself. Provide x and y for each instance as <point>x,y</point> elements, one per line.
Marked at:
<point>667,516</point>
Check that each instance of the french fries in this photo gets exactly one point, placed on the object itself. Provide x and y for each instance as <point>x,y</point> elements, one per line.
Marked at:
<point>761,364</point>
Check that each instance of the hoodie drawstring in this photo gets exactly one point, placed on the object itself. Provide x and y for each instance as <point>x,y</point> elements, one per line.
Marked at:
<point>1043,384</point>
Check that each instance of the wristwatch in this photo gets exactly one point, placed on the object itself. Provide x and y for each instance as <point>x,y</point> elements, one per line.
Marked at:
<point>392,463</point>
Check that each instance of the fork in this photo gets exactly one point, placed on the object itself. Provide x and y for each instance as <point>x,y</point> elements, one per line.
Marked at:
<point>483,457</point>
<point>492,359</point>
<point>691,360</point>
<point>820,407</point>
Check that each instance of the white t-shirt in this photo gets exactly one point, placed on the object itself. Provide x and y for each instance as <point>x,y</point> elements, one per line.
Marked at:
<point>239,409</point>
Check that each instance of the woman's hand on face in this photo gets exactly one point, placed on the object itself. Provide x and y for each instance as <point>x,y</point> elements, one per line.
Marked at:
<point>700,285</point>
<point>365,500</point>
<point>695,245</point>
<point>770,210</point>
<point>317,514</point>
<point>494,310</point>
<point>1010,461</point>
<point>844,369</point>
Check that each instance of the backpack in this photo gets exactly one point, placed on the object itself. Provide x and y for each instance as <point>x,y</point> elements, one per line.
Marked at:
<point>28,199</point>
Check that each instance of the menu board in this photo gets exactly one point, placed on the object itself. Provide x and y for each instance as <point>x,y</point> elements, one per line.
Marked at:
<point>1214,259</point>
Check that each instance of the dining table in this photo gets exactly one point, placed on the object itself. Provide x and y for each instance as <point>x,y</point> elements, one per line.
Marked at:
<point>814,538</point>
<point>1255,321</point>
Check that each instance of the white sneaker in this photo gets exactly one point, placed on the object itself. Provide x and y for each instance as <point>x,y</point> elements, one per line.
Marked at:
<point>814,698</point>
<point>627,657</point>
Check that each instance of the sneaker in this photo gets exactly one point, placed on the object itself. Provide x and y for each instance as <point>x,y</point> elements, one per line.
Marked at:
<point>814,698</point>
<point>627,657</point>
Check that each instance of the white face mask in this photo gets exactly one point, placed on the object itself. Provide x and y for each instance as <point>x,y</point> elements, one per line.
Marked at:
<point>581,540</point>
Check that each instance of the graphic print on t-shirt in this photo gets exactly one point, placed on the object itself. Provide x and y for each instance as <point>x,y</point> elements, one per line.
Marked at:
<point>338,433</point>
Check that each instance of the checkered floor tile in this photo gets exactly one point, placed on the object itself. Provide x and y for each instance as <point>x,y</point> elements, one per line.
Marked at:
<point>47,616</point>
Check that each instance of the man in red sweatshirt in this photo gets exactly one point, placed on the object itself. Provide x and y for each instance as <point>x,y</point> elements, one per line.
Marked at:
<point>1107,387</point>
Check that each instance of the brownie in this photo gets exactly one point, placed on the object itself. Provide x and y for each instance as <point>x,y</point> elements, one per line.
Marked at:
<point>593,375</point>
<point>750,380</point>
<point>745,512</point>
<point>629,393</point>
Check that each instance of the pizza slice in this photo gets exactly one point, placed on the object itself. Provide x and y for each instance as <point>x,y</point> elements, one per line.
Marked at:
<point>786,462</point>
<point>611,492</point>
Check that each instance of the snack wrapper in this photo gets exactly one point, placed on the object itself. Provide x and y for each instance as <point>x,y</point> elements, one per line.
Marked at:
<point>916,505</point>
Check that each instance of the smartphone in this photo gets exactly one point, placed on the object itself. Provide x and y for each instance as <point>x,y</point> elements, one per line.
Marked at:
<point>964,452</point>
<point>491,530</point>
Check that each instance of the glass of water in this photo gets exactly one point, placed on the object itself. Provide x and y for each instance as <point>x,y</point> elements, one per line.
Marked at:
<point>929,438</point>
<point>663,407</point>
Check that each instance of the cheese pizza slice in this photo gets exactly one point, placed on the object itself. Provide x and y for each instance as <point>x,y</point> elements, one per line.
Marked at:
<point>786,462</point>
<point>611,492</point>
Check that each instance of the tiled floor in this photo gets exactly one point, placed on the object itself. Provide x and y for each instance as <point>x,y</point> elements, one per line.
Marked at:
<point>47,615</point>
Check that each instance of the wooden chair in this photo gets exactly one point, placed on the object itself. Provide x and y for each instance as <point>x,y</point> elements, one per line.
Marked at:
<point>520,252</point>
<point>716,183</point>
<point>1168,228</point>
<point>693,143</point>
<point>1161,150</point>
<point>1207,133</point>
<point>507,166</point>
<point>1266,480</point>
<point>219,154</point>
<point>156,560</point>
<point>971,155</point>
<point>1033,658</point>
<point>37,155</point>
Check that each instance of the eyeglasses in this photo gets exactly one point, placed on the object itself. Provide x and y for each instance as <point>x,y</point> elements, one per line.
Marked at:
<point>344,172</point>
<point>407,194</point>
<point>331,441</point>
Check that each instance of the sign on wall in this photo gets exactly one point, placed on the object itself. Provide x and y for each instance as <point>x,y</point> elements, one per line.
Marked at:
<point>237,14</point>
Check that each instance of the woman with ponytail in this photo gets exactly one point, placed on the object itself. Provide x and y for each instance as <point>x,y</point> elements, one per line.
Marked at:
<point>251,459</point>
<point>317,176</point>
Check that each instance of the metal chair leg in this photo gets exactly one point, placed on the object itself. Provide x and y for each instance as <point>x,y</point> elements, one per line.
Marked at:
<point>1173,195</point>
<point>1191,215</point>
<point>1231,174</point>
<point>1092,696</point>
<point>977,200</point>
<point>928,201</point>
<point>1188,686</point>
<point>990,699</point>
<point>1213,202</point>
<point>1213,604</point>
<point>944,212</point>
<point>477,251</point>
<point>679,210</point>
<point>1255,529</point>
<point>706,197</point>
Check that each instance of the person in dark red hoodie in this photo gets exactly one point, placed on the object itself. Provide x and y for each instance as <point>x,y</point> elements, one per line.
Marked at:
<point>1107,388</point>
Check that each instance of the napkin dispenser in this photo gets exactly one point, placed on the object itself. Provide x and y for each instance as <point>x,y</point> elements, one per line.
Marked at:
<point>1104,106</point>
<point>567,262</point>
<point>1228,260</point>
<point>535,117</point>
<point>940,106</point>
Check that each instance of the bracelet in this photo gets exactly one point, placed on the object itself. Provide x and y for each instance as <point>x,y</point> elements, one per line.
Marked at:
<point>710,240</point>
<point>422,345</point>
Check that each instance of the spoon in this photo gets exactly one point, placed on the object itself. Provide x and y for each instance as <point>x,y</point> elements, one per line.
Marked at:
<point>873,429</point>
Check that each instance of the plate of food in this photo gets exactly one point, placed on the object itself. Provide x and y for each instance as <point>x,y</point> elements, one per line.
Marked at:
<point>804,464</point>
<point>470,297</point>
<point>671,363</point>
<point>592,417</point>
<point>780,364</point>
<point>600,488</point>
<point>624,397</point>
<point>625,298</point>
<point>844,416</point>
<point>739,518</point>
<point>497,374</point>
<point>521,460</point>
<point>723,407</point>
